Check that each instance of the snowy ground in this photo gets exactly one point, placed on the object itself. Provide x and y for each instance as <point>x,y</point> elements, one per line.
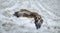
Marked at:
<point>49,9</point>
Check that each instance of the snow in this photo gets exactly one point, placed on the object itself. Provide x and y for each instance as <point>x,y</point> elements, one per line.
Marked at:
<point>48,9</point>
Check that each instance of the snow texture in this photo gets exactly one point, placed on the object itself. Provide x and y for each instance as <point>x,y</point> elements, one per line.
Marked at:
<point>48,9</point>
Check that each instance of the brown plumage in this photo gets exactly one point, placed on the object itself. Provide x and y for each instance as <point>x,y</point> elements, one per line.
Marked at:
<point>26,13</point>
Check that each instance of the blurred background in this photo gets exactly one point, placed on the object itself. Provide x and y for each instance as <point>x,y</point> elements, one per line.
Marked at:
<point>48,9</point>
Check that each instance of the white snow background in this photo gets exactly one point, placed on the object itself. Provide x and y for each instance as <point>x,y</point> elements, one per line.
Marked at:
<point>48,9</point>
